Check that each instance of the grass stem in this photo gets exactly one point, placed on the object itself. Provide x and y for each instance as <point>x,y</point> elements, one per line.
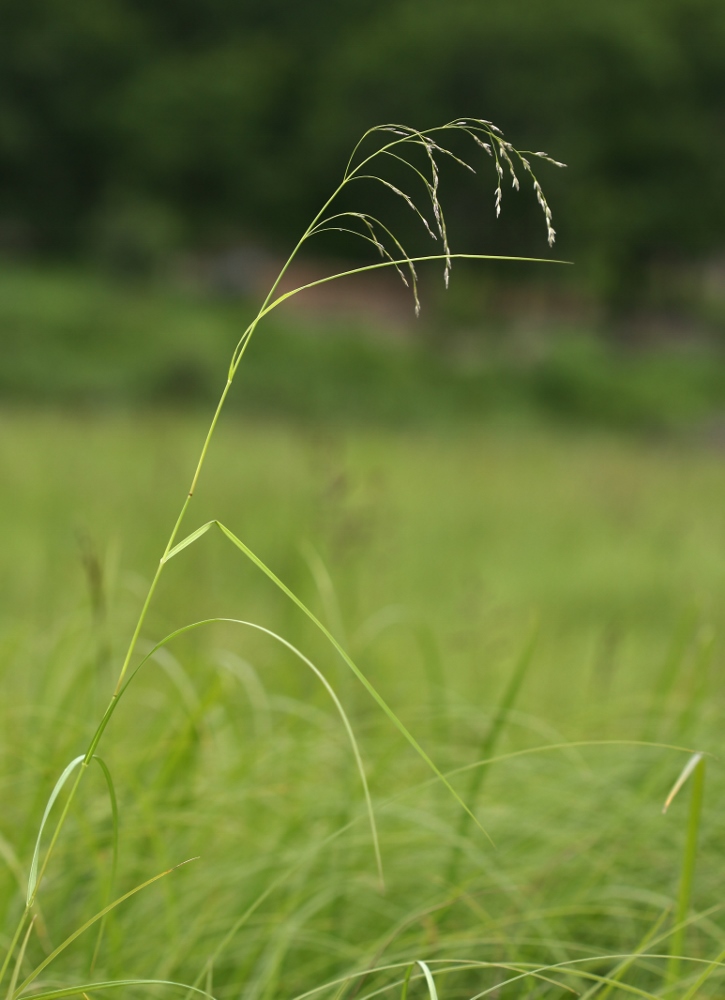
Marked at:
<point>684,895</point>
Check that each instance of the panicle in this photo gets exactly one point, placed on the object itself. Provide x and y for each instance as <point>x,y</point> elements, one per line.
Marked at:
<point>487,137</point>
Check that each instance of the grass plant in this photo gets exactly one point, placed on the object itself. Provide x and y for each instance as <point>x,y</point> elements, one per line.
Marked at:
<point>403,149</point>
<point>207,751</point>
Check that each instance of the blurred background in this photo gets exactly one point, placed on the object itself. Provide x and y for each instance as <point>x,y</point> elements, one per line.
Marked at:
<point>158,161</point>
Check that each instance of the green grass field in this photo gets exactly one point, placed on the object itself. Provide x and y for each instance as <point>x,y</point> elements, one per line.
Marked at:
<point>430,555</point>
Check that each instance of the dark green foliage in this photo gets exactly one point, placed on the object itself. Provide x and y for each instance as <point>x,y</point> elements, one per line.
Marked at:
<point>230,117</point>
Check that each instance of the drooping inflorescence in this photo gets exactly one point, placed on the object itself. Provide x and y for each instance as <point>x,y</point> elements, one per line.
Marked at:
<point>402,149</point>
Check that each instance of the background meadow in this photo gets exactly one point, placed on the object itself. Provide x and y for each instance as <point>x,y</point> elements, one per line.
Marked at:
<point>430,552</point>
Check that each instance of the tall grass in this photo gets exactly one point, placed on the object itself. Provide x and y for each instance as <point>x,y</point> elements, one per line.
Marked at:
<point>228,751</point>
<point>424,928</point>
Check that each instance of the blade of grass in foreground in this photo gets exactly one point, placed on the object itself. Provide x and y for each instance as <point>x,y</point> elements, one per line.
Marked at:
<point>114,857</point>
<point>695,767</point>
<point>523,971</point>
<point>430,982</point>
<point>19,961</point>
<point>58,787</point>
<point>36,874</point>
<point>113,984</point>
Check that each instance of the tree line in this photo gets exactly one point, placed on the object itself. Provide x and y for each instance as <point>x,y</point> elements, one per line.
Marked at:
<point>193,122</point>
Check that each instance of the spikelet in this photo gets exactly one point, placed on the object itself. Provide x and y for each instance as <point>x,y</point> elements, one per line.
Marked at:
<point>541,198</point>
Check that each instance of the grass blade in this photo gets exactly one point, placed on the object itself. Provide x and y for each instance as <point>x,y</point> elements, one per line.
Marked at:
<point>404,262</point>
<point>406,981</point>
<point>114,859</point>
<point>696,768</point>
<point>684,775</point>
<point>112,984</point>
<point>429,980</point>
<point>189,540</point>
<point>33,877</point>
<point>19,960</point>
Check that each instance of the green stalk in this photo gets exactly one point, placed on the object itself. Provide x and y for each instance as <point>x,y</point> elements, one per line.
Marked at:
<point>56,833</point>
<point>119,684</point>
<point>172,538</point>
<point>19,962</point>
<point>688,870</point>
<point>13,943</point>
